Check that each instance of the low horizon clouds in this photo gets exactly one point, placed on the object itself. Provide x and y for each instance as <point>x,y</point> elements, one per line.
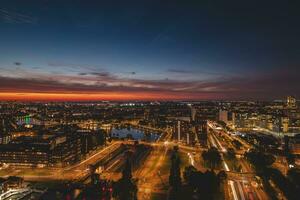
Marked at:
<point>260,86</point>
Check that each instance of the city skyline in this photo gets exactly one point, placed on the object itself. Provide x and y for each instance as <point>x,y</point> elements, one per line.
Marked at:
<point>62,51</point>
<point>149,100</point>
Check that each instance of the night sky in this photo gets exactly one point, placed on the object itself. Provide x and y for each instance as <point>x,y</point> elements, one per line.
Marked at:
<point>149,50</point>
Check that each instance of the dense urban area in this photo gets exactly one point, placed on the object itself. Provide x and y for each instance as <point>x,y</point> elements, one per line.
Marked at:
<point>150,150</point>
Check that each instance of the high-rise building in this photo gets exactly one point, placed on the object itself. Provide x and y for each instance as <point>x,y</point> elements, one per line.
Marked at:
<point>270,122</point>
<point>178,130</point>
<point>223,115</point>
<point>291,102</point>
<point>46,150</point>
<point>193,114</point>
<point>285,124</point>
<point>202,130</point>
<point>5,128</point>
<point>181,128</point>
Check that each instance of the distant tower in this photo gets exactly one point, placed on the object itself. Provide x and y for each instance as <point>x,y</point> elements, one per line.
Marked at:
<point>285,124</point>
<point>223,115</point>
<point>270,123</point>
<point>3,125</point>
<point>193,113</point>
<point>291,102</point>
<point>178,130</point>
<point>233,120</point>
<point>146,114</point>
<point>188,138</point>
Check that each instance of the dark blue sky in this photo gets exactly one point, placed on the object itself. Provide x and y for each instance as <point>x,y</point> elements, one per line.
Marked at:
<point>212,49</point>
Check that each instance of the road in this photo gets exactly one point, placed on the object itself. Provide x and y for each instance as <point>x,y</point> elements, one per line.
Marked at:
<point>79,170</point>
<point>73,172</point>
<point>153,174</point>
<point>242,185</point>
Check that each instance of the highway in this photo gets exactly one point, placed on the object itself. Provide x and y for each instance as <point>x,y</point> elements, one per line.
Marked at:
<point>81,170</point>
<point>153,173</point>
<point>243,185</point>
<point>74,172</point>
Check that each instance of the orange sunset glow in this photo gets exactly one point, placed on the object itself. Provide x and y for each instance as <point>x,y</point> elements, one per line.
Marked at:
<point>114,96</point>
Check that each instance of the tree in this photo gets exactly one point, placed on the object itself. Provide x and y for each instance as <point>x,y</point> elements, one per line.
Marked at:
<point>222,123</point>
<point>126,173</point>
<point>212,157</point>
<point>259,159</point>
<point>175,178</point>
<point>125,188</point>
<point>204,185</point>
<point>222,175</point>
<point>189,175</point>
<point>230,154</point>
<point>237,144</point>
<point>211,182</point>
<point>294,176</point>
<point>283,183</point>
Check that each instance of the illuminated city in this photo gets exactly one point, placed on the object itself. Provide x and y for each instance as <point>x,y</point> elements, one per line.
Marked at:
<point>149,100</point>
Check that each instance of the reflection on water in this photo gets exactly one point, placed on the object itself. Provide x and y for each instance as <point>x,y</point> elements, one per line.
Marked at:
<point>133,134</point>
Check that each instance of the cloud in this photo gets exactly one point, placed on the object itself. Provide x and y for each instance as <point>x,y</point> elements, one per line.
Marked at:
<point>44,86</point>
<point>193,72</point>
<point>253,86</point>
<point>180,71</point>
<point>101,74</point>
<point>88,67</point>
<point>96,74</point>
<point>8,16</point>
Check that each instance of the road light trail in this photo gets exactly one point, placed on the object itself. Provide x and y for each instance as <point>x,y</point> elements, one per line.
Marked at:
<point>112,165</point>
<point>226,166</point>
<point>231,183</point>
<point>191,159</point>
<point>149,170</point>
<point>223,149</point>
<point>91,157</point>
<point>214,144</point>
<point>241,190</point>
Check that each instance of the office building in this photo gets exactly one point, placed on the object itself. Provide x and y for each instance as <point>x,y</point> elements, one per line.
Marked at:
<point>291,102</point>
<point>223,115</point>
